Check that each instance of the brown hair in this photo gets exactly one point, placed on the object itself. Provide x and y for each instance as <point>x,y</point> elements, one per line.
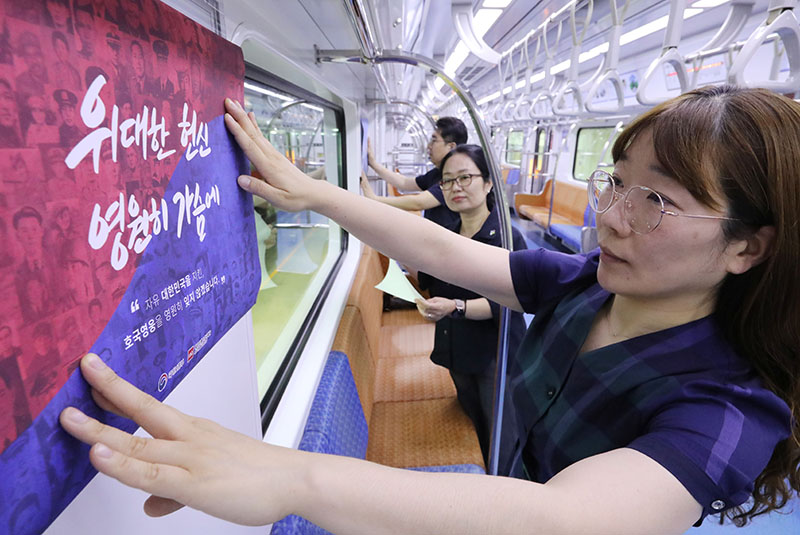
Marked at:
<point>743,146</point>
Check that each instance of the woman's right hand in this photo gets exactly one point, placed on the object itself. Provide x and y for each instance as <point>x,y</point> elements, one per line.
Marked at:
<point>280,182</point>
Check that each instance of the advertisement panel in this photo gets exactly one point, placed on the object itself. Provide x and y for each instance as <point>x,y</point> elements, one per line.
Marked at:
<point>122,229</point>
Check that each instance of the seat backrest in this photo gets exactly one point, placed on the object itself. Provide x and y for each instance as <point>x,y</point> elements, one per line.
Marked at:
<point>335,426</point>
<point>336,423</point>
<point>367,298</point>
<point>351,339</point>
<point>541,200</point>
<point>570,202</point>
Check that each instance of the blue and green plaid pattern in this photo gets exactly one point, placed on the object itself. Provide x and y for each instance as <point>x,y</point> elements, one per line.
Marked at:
<point>682,396</point>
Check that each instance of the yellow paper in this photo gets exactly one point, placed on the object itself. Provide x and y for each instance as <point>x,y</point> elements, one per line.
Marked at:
<point>395,283</point>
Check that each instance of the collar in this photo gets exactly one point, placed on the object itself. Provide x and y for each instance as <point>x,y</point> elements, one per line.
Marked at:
<point>488,233</point>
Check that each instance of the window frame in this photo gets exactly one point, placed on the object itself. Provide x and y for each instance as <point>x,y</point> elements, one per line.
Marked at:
<point>272,397</point>
<point>576,152</point>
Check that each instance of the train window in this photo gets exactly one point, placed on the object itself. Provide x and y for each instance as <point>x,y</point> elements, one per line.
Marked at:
<point>298,251</point>
<point>593,146</point>
<point>514,147</point>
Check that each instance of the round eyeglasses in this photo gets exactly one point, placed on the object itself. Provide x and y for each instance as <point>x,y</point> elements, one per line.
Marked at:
<point>642,207</point>
<point>463,181</point>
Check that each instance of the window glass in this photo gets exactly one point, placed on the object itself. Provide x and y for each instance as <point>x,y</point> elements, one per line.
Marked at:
<point>594,144</point>
<point>514,147</point>
<point>297,250</point>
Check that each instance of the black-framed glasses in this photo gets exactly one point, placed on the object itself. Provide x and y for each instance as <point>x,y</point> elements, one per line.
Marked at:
<point>463,181</point>
<point>643,207</point>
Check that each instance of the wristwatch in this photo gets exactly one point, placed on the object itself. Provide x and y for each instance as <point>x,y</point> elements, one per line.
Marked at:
<point>461,309</point>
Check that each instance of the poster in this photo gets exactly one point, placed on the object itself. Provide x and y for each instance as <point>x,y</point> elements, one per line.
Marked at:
<point>122,229</point>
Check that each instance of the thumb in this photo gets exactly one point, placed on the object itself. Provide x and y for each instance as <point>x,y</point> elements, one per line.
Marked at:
<point>257,187</point>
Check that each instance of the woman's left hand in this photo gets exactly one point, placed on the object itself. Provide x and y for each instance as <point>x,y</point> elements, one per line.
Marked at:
<point>366,187</point>
<point>435,308</point>
<point>190,461</point>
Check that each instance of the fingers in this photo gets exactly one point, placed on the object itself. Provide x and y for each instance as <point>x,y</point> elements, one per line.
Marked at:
<point>247,134</point>
<point>158,506</point>
<point>259,188</point>
<point>158,479</point>
<point>91,431</point>
<point>158,419</point>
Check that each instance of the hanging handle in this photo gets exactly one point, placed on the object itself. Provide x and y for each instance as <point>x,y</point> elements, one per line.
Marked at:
<point>571,86</point>
<point>669,56</point>
<point>611,74</point>
<point>781,20</point>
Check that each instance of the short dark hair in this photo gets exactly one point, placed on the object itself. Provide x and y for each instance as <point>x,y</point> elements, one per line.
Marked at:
<point>26,211</point>
<point>452,130</point>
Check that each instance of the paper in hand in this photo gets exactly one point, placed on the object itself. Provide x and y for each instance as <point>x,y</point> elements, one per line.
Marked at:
<point>395,283</point>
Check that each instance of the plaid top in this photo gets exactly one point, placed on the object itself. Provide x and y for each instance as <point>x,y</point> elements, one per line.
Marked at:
<point>681,396</point>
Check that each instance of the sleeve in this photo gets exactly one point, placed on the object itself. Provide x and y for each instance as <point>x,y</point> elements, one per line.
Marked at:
<point>436,191</point>
<point>716,438</point>
<point>424,280</point>
<point>427,180</point>
<point>518,241</point>
<point>540,276</point>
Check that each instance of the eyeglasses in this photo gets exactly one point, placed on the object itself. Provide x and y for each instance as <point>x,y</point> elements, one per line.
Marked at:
<point>643,207</point>
<point>463,181</point>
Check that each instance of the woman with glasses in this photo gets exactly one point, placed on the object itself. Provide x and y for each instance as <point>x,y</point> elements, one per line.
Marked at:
<point>466,323</point>
<point>657,384</point>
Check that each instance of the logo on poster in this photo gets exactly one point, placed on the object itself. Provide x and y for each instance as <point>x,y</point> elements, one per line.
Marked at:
<point>162,382</point>
<point>190,354</point>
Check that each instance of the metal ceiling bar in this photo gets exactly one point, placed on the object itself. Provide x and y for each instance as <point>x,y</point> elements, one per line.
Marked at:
<point>501,203</point>
<point>367,41</point>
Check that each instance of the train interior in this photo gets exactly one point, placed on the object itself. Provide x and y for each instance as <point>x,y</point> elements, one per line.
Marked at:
<point>543,86</point>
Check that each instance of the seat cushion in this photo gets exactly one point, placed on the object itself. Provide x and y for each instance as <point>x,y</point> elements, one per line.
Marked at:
<point>411,378</point>
<point>569,234</point>
<point>530,212</point>
<point>402,340</point>
<point>453,468</point>
<point>433,432</point>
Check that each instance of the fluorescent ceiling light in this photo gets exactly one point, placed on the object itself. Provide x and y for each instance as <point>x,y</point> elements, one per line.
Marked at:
<point>312,107</point>
<point>438,83</point>
<point>489,98</point>
<point>498,3</point>
<point>259,89</point>
<point>484,19</point>
<point>456,58</point>
<point>709,3</point>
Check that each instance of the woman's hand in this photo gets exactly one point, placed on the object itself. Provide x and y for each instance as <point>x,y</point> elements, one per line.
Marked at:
<point>190,461</point>
<point>366,188</point>
<point>435,308</point>
<point>280,182</point>
<point>370,154</point>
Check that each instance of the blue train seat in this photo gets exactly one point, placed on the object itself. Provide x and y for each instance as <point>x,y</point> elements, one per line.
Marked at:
<point>336,425</point>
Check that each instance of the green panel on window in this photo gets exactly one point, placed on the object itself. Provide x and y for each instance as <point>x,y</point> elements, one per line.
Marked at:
<point>591,147</point>
<point>514,147</point>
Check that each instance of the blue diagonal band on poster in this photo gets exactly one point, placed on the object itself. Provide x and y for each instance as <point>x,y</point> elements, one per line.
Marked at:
<point>44,469</point>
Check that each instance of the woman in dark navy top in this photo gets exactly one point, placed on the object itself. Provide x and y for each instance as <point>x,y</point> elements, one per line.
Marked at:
<point>467,324</point>
<point>659,382</point>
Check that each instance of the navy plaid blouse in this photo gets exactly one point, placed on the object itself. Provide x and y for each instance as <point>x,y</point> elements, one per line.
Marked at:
<point>681,396</point>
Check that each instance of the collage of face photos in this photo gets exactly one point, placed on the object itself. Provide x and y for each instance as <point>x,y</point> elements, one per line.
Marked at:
<point>118,204</point>
<point>58,293</point>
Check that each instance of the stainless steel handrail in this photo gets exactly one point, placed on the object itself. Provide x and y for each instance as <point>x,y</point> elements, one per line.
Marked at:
<point>501,203</point>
